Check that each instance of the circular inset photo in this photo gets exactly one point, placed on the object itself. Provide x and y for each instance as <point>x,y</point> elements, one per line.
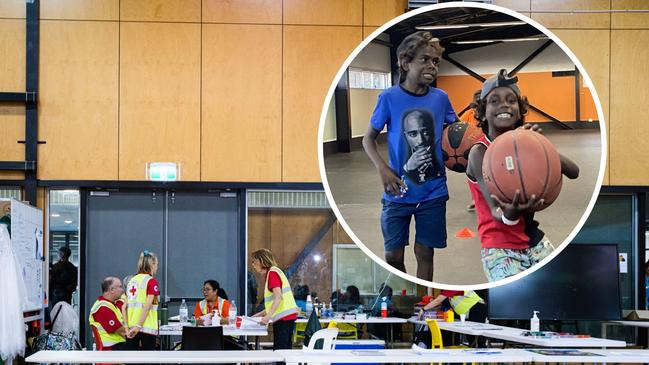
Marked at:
<point>462,145</point>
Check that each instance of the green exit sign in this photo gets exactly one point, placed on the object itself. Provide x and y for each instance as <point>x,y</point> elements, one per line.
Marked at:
<point>162,171</point>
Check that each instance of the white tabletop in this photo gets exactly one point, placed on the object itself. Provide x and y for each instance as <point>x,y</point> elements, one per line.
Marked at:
<point>516,335</point>
<point>467,327</point>
<point>388,320</point>
<point>609,356</point>
<point>405,356</point>
<point>176,330</point>
<point>348,356</point>
<point>630,323</point>
<point>154,357</point>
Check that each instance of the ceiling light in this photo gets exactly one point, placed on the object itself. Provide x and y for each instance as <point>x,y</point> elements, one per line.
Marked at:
<point>500,40</point>
<point>67,221</point>
<point>55,215</point>
<point>317,258</point>
<point>474,25</point>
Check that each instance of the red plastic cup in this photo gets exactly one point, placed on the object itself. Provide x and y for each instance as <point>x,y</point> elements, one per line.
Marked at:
<point>238,322</point>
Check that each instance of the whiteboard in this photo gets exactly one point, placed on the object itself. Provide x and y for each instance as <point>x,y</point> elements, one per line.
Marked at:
<point>27,242</point>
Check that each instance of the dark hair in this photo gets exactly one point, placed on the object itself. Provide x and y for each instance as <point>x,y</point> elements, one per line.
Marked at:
<point>385,290</point>
<point>106,283</point>
<point>352,295</point>
<point>476,97</point>
<point>66,251</point>
<point>300,292</point>
<point>215,286</point>
<point>410,44</point>
<point>481,108</point>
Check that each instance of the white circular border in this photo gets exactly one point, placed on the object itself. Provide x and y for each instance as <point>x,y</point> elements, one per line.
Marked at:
<point>514,14</point>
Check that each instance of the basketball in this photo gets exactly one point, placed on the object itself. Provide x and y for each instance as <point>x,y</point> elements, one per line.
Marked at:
<point>526,161</point>
<point>457,140</point>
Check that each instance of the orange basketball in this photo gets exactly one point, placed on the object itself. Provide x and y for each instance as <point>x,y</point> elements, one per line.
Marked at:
<point>526,161</point>
<point>457,140</point>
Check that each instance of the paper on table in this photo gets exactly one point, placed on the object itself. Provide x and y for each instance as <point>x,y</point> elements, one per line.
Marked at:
<point>422,351</point>
<point>251,323</point>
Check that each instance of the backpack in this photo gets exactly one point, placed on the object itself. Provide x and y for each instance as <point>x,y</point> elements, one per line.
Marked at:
<point>56,340</point>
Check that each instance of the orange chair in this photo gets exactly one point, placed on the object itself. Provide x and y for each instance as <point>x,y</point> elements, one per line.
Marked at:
<point>100,345</point>
<point>95,335</point>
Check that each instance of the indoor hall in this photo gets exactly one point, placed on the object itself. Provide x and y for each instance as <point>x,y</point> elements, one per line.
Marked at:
<point>116,85</point>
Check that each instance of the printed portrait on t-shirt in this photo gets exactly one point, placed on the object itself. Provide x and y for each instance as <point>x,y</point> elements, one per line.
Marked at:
<point>419,132</point>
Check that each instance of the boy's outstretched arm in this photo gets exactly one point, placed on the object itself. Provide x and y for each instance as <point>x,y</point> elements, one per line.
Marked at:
<point>569,167</point>
<point>391,182</point>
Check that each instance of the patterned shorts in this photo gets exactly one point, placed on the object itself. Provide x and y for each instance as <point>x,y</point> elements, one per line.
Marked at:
<point>501,263</point>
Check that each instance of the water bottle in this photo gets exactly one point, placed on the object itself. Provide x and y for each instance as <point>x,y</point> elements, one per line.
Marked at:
<point>216,318</point>
<point>232,314</point>
<point>309,306</point>
<point>384,308</point>
<point>182,312</point>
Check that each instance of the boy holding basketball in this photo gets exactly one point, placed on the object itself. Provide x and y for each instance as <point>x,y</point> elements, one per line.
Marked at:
<point>414,181</point>
<point>510,237</point>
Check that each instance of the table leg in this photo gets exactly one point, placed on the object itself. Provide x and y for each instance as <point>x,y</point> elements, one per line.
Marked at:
<point>604,328</point>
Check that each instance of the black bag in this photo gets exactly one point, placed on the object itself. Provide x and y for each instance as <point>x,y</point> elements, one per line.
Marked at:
<point>312,326</point>
<point>55,340</point>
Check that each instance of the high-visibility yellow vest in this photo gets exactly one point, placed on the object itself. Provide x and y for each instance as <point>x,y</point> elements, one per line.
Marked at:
<point>219,305</point>
<point>287,305</point>
<point>136,292</point>
<point>107,339</point>
<point>462,303</point>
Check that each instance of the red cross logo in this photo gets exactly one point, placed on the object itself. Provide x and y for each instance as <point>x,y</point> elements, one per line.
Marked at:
<point>133,290</point>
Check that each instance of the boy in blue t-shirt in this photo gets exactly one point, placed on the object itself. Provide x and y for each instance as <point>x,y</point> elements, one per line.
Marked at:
<point>414,181</point>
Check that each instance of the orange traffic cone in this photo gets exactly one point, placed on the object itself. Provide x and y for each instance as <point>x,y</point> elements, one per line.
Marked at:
<point>464,233</point>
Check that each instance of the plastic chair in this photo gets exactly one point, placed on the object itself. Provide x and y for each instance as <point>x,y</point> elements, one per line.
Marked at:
<point>436,336</point>
<point>95,335</point>
<point>298,333</point>
<point>98,343</point>
<point>327,335</point>
<point>346,331</point>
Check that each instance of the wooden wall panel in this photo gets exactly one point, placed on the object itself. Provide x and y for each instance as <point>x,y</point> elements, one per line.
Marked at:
<point>318,12</point>
<point>312,56</point>
<point>275,229</point>
<point>80,9</point>
<point>12,9</point>
<point>78,100</point>
<point>242,11</point>
<point>522,6</point>
<point>12,78</point>
<point>161,10</point>
<point>378,12</point>
<point>159,98</point>
<point>629,94</point>
<point>12,49</point>
<point>12,120</point>
<point>287,242</point>
<point>630,20</point>
<point>242,103</point>
<point>368,30</point>
<point>592,49</point>
<point>542,12</point>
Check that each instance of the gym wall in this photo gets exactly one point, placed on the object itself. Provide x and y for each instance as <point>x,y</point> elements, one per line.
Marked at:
<point>235,94</point>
